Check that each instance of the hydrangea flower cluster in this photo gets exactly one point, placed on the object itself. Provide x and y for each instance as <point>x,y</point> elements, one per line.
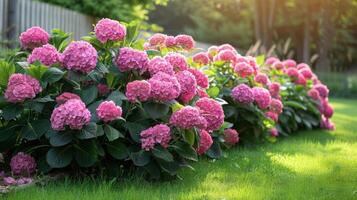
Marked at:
<point>188,117</point>
<point>164,87</point>
<point>177,60</point>
<point>79,56</point>
<point>212,111</point>
<point>103,89</point>
<point>185,41</point>
<point>108,111</point>
<point>261,78</point>
<point>188,85</point>
<point>274,89</point>
<point>34,37</point>
<point>21,87</point>
<point>201,58</point>
<point>64,97</point>
<point>158,41</point>
<point>158,134</point>
<point>109,30</point>
<point>201,78</point>
<point>159,64</point>
<point>47,55</point>
<point>205,142</point>
<point>72,113</point>
<point>261,97</point>
<point>243,94</point>
<point>131,59</point>
<point>22,164</point>
<point>138,90</point>
<point>231,136</point>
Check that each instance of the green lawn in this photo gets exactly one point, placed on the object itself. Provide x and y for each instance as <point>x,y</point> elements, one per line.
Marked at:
<point>309,165</point>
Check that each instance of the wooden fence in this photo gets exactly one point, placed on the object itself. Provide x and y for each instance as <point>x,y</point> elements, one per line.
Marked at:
<point>27,13</point>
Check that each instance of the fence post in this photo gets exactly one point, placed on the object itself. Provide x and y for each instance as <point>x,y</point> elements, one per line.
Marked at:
<point>11,24</point>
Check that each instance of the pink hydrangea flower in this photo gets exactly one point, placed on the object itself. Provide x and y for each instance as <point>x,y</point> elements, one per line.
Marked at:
<point>276,106</point>
<point>79,56</point>
<point>21,87</point>
<point>73,113</point>
<point>34,37</point>
<point>274,132</point>
<point>261,97</point>
<point>103,89</point>
<point>170,41</point>
<point>9,181</point>
<point>159,64</point>
<point>205,142</point>
<point>108,111</point>
<point>185,41</point>
<point>201,58</point>
<point>188,117</point>
<point>306,72</point>
<point>328,110</point>
<point>322,89</point>
<point>243,69</point>
<point>231,136</point>
<point>271,60</point>
<point>262,79</point>
<point>177,60</point>
<point>302,66</point>
<point>164,87</point>
<point>243,94</point>
<point>201,78</point>
<point>289,63</point>
<point>314,94</point>
<point>201,93</point>
<point>22,164</point>
<point>327,124</point>
<point>226,56</point>
<point>64,97</point>
<point>24,181</point>
<point>278,65</point>
<point>292,73</point>
<point>157,39</point>
<point>109,30</point>
<point>226,47</point>
<point>131,59</point>
<point>272,115</point>
<point>138,90</point>
<point>158,134</point>
<point>188,85</point>
<point>301,80</point>
<point>47,55</point>
<point>212,111</point>
<point>274,89</point>
<point>212,51</point>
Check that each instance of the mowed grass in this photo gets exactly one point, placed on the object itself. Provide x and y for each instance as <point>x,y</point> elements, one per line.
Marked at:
<point>309,165</point>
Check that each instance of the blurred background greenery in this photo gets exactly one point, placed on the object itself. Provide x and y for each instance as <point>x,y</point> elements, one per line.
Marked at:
<point>322,33</point>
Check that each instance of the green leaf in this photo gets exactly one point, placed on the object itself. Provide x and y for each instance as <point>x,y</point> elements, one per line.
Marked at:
<point>295,104</point>
<point>189,136</point>
<point>117,97</point>
<point>11,111</point>
<point>215,150</point>
<point>89,131</point>
<point>7,132</point>
<point>93,110</point>
<point>89,94</point>
<point>61,139</point>
<point>156,110</point>
<point>112,133</point>
<point>36,129</point>
<point>153,53</point>
<point>213,92</point>
<point>162,153</point>
<point>134,130</point>
<point>185,150</point>
<point>36,70</point>
<point>44,99</point>
<point>260,59</point>
<point>117,149</point>
<point>59,157</point>
<point>6,70</point>
<point>52,75</point>
<point>86,154</point>
<point>169,167</point>
<point>140,158</point>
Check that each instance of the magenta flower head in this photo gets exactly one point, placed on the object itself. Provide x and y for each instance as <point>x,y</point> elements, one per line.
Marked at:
<point>274,132</point>
<point>289,63</point>
<point>328,110</point>
<point>302,66</point>
<point>201,93</point>
<point>327,124</point>
<point>158,134</point>
<point>322,89</point>
<point>188,84</point>
<point>274,89</point>
<point>22,164</point>
<point>205,142</point>
<point>276,106</point>
<point>138,91</point>
<point>301,80</point>
<point>231,136</point>
<point>201,78</point>
<point>243,69</point>
<point>271,60</point>
<point>21,87</point>
<point>201,58</point>
<point>243,94</point>
<point>278,65</point>
<point>64,97</point>
<point>212,51</point>
<point>34,37</point>
<point>164,87</point>
<point>47,55</point>
<point>306,72</point>
<point>159,64</point>
<point>79,56</point>
<point>188,117</point>
<point>262,79</point>
<point>314,94</point>
<point>177,60</point>
<point>9,181</point>
<point>131,59</point>
<point>272,115</point>
<point>226,47</point>
<point>103,89</point>
<point>226,56</point>
<point>212,111</point>
<point>293,73</point>
<point>170,41</point>
<point>261,97</point>
<point>185,41</point>
<point>109,30</point>
<point>157,39</point>
<point>108,111</point>
<point>72,113</point>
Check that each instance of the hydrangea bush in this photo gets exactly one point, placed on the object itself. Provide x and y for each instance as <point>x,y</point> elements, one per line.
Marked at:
<point>112,104</point>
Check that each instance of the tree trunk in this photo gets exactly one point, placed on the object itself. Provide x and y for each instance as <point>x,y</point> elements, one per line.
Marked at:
<point>306,39</point>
